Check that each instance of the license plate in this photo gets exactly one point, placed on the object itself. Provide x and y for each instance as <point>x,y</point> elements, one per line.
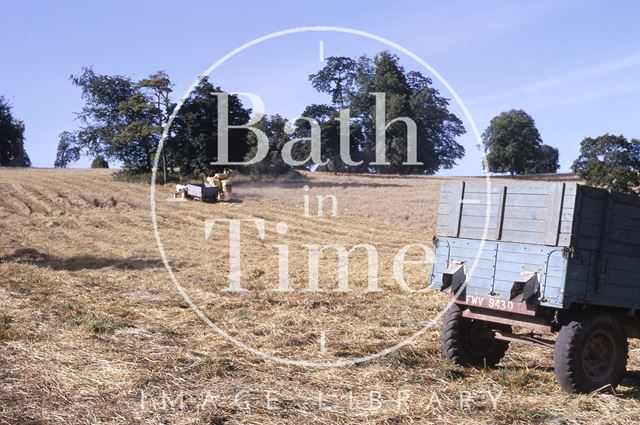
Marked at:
<point>492,303</point>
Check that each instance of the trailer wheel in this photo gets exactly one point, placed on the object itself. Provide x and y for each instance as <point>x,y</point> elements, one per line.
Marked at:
<point>468,342</point>
<point>590,353</point>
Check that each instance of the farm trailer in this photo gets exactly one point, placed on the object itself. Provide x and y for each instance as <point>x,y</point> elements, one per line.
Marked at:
<point>549,257</point>
<point>199,192</point>
<point>216,188</point>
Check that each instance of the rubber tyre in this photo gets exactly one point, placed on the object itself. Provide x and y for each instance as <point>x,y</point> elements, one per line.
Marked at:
<point>590,352</point>
<point>465,341</point>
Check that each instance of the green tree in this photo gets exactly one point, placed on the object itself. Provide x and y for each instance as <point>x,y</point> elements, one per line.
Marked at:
<point>99,162</point>
<point>12,151</point>
<point>193,143</point>
<point>68,150</point>
<point>327,118</point>
<point>274,128</point>
<point>158,87</point>
<point>121,119</point>
<point>407,94</point>
<point>336,78</point>
<point>609,161</point>
<point>513,144</point>
<point>100,119</point>
<point>546,160</point>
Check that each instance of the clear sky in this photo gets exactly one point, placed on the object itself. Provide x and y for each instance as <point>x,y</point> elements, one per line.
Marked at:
<point>573,65</point>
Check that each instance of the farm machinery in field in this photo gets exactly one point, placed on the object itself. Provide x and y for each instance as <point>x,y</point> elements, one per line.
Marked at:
<point>215,189</point>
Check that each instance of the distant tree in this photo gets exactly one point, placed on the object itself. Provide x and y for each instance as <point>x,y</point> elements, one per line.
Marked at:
<point>327,118</point>
<point>103,119</point>
<point>193,143</point>
<point>99,162</point>
<point>121,119</point>
<point>513,144</point>
<point>336,78</point>
<point>159,87</point>
<point>12,151</point>
<point>68,150</point>
<point>274,127</point>
<point>407,94</point>
<point>609,161</point>
<point>546,160</point>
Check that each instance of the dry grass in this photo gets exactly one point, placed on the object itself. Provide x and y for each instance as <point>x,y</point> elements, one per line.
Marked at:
<point>90,322</point>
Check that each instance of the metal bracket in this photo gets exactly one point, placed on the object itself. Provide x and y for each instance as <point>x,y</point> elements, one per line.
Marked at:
<point>525,286</point>
<point>569,252</point>
<point>454,277</point>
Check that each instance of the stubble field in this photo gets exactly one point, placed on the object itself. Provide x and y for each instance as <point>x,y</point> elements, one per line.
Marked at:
<point>93,330</point>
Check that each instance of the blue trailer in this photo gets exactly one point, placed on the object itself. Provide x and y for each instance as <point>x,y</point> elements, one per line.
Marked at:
<point>527,260</point>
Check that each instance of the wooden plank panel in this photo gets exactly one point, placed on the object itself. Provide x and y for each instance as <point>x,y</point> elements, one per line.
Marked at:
<point>526,200</point>
<point>474,222</point>
<point>555,201</point>
<point>448,224</point>
<point>481,262</point>
<point>529,225</point>
<point>624,263</point>
<point>480,210</point>
<point>622,278</point>
<point>482,199</point>
<point>629,236</point>
<point>533,213</point>
<point>475,233</point>
<point>623,210</point>
<point>522,236</point>
<point>588,243</point>
<point>565,239</point>
<point>588,230</point>
<point>591,217</point>
<point>483,188</point>
<point>481,283</point>
<point>444,208</point>
<point>625,222</point>
<point>534,188</point>
<point>526,248</point>
<point>619,296</point>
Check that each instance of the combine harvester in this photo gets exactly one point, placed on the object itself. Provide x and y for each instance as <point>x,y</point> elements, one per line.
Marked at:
<point>215,189</point>
<point>544,258</point>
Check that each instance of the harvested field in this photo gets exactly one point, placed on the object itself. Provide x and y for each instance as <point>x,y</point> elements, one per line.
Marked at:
<point>92,329</point>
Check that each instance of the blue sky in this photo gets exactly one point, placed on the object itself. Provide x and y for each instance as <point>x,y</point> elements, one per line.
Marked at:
<point>573,65</point>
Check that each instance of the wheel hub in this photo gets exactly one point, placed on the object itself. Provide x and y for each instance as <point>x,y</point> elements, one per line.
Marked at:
<point>598,356</point>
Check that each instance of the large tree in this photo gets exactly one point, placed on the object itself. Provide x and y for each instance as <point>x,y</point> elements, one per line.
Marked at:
<point>158,88</point>
<point>12,152</point>
<point>328,119</point>
<point>609,161</point>
<point>350,83</point>
<point>122,120</point>
<point>193,143</point>
<point>513,145</point>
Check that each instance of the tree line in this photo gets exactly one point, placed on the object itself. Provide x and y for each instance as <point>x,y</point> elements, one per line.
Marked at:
<point>122,121</point>
<point>512,144</point>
